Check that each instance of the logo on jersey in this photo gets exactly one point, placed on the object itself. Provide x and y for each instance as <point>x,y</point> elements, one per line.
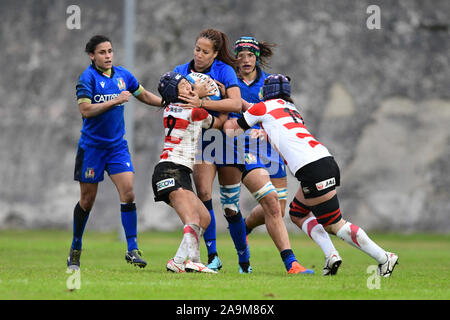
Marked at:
<point>102,83</point>
<point>121,84</point>
<point>325,184</point>
<point>89,174</point>
<point>250,158</point>
<point>164,184</point>
<point>99,98</point>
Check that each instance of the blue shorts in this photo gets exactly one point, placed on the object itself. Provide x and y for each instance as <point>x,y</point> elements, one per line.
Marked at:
<point>91,162</point>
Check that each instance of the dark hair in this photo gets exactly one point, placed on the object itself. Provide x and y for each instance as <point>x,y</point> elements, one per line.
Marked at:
<point>266,52</point>
<point>220,44</point>
<point>94,42</point>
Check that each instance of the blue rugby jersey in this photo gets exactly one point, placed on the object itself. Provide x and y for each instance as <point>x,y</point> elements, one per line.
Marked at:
<point>107,129</point>
<point>251,92</point>
<point>219,71</point>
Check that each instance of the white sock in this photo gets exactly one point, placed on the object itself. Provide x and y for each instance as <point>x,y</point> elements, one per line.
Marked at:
<point>192,234</point>
<point>189,246</point>
<point>357,237</point>
<point>316,232</point>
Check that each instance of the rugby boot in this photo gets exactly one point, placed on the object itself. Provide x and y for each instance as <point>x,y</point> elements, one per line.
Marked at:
<point>332,264</point>
<point>73,260</point>
<point>386,269</point>
<point>297,268</point>
<point>134,257</point>
<point>175,267</point>
<point>215,263</point>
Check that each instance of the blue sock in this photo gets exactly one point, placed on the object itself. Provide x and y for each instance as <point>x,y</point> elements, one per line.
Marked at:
<point>288,257</point>
<point>80,218</point>
<point>210,233</point>
<point>129,223</point>
<point>236,225</point>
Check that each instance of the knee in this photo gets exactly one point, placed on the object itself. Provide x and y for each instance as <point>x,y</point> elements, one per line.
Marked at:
<point>328,214</point>
<point>229,198</point>
<point>128,196</point>
<point>203,194</point>
<point>87,202</point>
<point>271,205</point>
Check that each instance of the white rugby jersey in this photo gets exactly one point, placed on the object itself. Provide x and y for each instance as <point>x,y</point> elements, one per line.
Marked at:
<point>182,127</point>
<point>287,132</point>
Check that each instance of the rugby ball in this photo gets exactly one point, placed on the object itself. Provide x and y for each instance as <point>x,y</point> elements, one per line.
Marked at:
<point>193,77</point>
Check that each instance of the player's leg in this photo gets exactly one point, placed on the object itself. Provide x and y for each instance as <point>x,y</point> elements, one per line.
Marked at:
<point>120,169</point>
<point>301,216</point>
<point>186,205</point>
<point>230,190</point>
<point>89,167</point>
<point>124,183</point>
<point>327,211</point>
<point>258,183</point>
<point>204,174</point>
<point>256,216</point>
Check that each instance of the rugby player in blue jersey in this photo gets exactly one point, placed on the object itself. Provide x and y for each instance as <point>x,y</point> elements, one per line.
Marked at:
<point>253,56</point>
<point>212,57</point>
<point>102,90</point>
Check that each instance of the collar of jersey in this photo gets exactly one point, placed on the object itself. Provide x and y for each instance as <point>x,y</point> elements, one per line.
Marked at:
<point>100,72</point>
<point>258,76</point>
<point>192,67</point>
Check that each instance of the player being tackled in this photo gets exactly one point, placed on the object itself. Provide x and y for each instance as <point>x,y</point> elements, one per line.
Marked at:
<point>183,121</point>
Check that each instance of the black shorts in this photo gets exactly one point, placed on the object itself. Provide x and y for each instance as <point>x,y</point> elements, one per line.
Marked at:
<point>319,177</point>
<point>168,177</point>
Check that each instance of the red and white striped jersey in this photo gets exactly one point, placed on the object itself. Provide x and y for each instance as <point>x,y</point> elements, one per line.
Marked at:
<point>287,132</point>
<point>182,128</point>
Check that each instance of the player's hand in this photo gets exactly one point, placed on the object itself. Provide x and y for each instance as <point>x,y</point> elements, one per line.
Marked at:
<point>123,97</point>
<point>202,89</point>
<point>192,100</point>
<point>246,105</point>
<point>223,90</point>
<point>258,134</point>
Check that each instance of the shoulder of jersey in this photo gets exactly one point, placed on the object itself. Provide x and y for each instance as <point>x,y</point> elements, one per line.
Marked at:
<point>258,109</point>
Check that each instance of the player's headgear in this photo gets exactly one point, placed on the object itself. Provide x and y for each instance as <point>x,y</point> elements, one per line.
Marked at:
<point>247,43</point>
<point>168,86</point>
<point>276,85</point>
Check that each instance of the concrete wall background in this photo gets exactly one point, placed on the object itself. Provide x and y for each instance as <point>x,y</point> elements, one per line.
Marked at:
<point>378,99</point>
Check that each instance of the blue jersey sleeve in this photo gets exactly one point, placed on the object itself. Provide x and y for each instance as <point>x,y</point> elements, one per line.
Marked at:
<point>229,77</point>
<point>131,82</point>
<point>182,69</point>
<point>85,85</point>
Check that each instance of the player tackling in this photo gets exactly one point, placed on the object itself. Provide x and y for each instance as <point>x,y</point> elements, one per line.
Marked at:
<point>312,164</point>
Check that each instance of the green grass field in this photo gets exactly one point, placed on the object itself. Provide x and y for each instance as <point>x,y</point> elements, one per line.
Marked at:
<point>32,266</point>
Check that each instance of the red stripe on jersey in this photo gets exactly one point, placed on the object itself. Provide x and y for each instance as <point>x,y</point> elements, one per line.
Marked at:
<point>172,139</point>
<point>167,149</point>
<point>279,113</point>
<point>303,135</point>
<point>258,109</point>
<point>292,125</point>
<point>313,143</point>
<point>179,123</point>
<point>164,155</point>
<point>199,114</point>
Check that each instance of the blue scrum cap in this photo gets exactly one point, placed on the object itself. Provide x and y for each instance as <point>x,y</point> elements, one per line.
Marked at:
<point>276,85</point>
<point>168,86</point>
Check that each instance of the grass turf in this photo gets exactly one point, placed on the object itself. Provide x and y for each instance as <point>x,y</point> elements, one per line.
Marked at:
<point>32,266</point>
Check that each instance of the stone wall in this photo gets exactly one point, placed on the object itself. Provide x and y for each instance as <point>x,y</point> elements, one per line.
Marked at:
<point>378,99</point>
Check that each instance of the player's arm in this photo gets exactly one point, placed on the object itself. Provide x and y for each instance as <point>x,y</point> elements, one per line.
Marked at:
<point>232,103</point>
<point>147,97</point>
<point>220,120</point>
<point>89,109</point>
<point>234,127</point>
